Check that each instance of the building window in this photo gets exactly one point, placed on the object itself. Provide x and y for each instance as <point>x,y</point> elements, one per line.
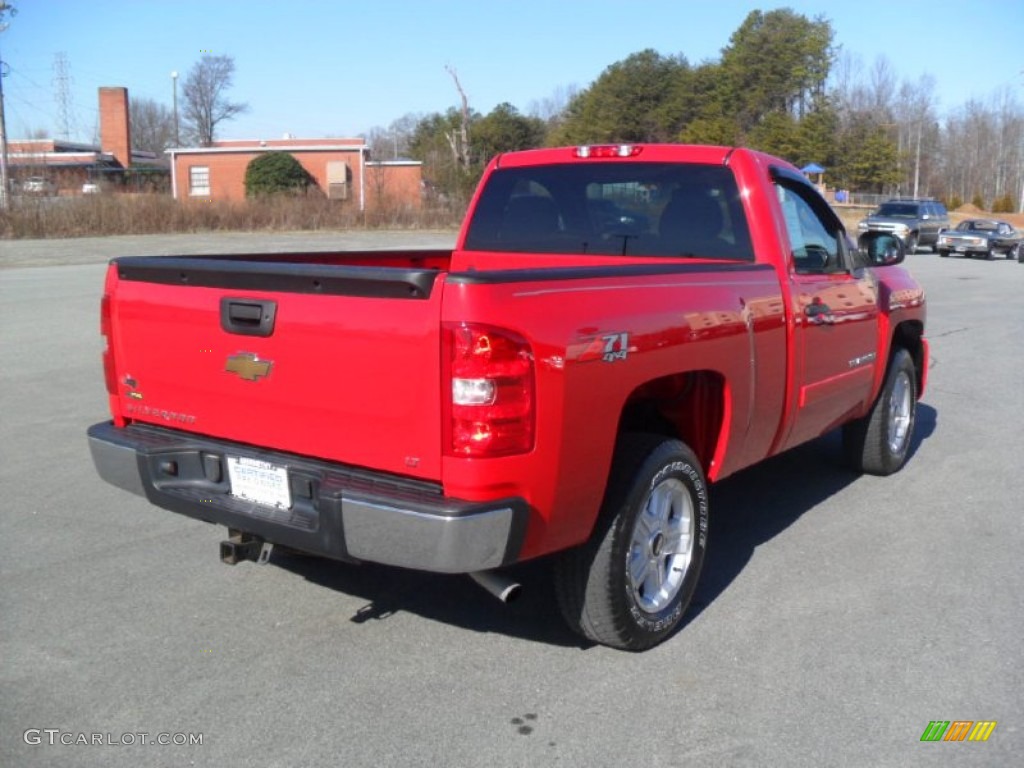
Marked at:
<point>199,181</point>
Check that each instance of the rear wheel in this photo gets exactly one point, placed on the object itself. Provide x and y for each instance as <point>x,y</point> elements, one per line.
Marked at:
<point>879,442</point>
<point>628,586</point>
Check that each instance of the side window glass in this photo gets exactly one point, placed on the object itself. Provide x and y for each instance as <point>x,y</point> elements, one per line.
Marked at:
<point>815,249</point>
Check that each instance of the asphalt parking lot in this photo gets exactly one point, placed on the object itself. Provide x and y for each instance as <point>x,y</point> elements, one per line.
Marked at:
<point>837,616</point>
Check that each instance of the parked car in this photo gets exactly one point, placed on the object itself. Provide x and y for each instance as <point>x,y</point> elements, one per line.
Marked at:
<point>987,238</point>
<point>914,221</point>
<point>38,185</point>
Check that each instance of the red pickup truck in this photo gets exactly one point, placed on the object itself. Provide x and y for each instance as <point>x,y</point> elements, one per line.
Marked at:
<point>616,327</point>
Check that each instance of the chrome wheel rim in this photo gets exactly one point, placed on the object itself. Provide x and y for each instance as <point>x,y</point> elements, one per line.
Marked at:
<point>661,546</point>
<point>900,409</point>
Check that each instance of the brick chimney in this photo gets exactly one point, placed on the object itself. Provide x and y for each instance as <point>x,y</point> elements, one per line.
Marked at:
<point>115,135</point>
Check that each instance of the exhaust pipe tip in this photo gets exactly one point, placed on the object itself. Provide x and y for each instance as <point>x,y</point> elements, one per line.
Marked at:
<point>501,587</point>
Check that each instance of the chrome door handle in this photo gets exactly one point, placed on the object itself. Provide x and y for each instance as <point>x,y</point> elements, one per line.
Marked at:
<point>819,314</point>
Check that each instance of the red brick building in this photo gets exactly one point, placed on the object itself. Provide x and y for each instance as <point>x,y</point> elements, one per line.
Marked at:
<point>341,169</point>
<point>68,164</point>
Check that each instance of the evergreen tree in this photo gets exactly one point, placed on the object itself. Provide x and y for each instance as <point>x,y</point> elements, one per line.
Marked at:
<point>636,99</point>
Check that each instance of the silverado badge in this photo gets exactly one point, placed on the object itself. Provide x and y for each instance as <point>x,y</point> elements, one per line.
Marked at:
<point>248,366</point>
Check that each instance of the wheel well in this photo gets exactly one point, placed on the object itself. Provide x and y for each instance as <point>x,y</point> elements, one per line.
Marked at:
<point>908,336</point>
<point>687,406</point>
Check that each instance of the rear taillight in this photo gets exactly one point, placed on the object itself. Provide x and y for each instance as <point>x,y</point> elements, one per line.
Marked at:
<point>488,392</point>
<point>109,374</point>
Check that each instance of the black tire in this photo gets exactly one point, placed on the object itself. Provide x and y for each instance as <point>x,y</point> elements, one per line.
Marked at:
<point>596,583</point>
<point>1014,253</point>
<point>1020,254</point>
<point>943,254</point>
<point>911,245</point>
<point>879,442</point>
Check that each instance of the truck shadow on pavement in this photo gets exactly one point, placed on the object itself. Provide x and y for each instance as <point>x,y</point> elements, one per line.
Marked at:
<point>757,504</point>
<point>747,510</point>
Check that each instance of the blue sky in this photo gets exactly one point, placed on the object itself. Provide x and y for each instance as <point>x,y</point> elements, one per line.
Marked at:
<point>337,68</point>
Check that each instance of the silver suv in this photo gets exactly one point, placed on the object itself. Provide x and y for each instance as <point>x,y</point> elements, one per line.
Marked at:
<point>914,221</point>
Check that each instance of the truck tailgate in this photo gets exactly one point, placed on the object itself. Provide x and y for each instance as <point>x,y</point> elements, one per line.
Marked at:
<point>329,361</point>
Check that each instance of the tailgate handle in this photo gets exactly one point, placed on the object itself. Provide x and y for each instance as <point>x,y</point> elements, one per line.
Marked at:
<point>248,317</point>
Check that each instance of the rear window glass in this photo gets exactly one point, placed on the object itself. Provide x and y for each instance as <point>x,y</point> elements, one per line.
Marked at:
<point>615,208</point>
<point>899,210</point>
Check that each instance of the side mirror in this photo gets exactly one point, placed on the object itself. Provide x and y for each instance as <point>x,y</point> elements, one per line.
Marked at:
<point>881,249</point>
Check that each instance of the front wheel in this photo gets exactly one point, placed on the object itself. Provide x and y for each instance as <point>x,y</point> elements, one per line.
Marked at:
<point>879,442</point>
<point>911,244</point>
<point>1014,253</point>
<point>628,586</point>
<point>943,253</point>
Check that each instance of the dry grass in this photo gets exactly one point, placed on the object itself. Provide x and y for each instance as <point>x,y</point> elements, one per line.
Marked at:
<point>143,214</point>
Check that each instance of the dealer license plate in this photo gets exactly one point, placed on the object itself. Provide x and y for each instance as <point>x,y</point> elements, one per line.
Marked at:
<point>259,481</point>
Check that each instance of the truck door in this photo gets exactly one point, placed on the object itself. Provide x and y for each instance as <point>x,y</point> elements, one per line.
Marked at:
<point>835,305</point>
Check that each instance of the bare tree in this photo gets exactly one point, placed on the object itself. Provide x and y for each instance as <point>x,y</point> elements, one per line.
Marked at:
<point>882,88</point>
<point>852,97</point>
<point>204,99</point>
<point>459,142</point>
<point>915,115</point>
<point>401,131</point>
<point>152,125</point>
<point>983,151</point>
<point>552,109</point>
<point>392,142</point>
<point>378,139</point>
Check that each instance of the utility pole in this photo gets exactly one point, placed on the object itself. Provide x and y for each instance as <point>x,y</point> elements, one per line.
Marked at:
<point>1022,167</point>
<point>917,159</point>
<point>174,79</point>
<point>5,186</point>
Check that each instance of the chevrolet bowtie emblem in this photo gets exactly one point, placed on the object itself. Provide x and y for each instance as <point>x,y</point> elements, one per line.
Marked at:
<point>248,366</point>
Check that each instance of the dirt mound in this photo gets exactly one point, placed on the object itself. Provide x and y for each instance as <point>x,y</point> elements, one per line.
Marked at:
<point>970,211</point>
